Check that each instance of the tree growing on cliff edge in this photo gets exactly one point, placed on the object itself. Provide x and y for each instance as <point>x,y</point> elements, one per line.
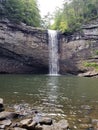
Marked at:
<point>20,11</point>
<point>74,14</point>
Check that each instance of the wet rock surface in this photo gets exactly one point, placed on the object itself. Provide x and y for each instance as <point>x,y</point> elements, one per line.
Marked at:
<point>36,120</point>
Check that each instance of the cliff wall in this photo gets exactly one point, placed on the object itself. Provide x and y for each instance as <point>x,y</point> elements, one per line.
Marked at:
<point>23,49</point>
<point>79,52</point>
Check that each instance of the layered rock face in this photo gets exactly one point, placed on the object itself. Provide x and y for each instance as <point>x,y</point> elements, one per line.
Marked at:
<point>23,49</point>
<point>79,52</point>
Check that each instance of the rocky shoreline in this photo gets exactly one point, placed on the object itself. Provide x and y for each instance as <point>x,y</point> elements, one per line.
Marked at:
<point>35,120</point>
<point>18,121</point>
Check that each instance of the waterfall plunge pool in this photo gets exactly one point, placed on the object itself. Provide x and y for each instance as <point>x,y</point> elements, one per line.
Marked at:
<point>72,98</point>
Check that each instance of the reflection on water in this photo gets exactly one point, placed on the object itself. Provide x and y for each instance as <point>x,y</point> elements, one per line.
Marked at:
<point>60,97</point>
<point>51,100</point>
<point>52,85</point>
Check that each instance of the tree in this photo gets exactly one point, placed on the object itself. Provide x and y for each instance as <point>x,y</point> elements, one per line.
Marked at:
<point>74,14</point>
<point>46,21</point>
<point>20,11</point>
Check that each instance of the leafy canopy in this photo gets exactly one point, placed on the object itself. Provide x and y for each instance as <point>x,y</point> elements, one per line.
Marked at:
<point>74,14</point>
<point>20,11</point>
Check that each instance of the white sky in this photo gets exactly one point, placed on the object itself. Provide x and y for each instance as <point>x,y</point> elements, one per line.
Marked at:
<point>49,5</point>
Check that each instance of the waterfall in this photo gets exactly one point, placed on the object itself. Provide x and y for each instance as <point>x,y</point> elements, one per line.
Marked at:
<point>53,52</point>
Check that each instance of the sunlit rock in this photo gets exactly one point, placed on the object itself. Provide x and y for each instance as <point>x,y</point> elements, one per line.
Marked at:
<point>5,123</point>
<point>18,128</point>
<point>1,105</point>
<point>28,123</point>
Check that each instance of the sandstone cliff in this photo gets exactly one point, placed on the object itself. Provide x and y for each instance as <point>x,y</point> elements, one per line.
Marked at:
<point>23,49</point>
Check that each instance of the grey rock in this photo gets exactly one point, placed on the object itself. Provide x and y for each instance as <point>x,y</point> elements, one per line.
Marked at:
<point>46,121</point>
<point>6,122</point>
<point>1,101</point>
<point>85,126</point>
<point>25,122</point>
<point>23,49</point>
<point>61,125</point>
<point>2,126</point>
<point>1,105</point>
<point>18,128</point>
<point>8,115</point>
<point>28,123</point>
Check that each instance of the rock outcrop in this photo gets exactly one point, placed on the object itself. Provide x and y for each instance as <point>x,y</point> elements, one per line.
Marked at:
<point>23,49</point>
<point>79,52</point>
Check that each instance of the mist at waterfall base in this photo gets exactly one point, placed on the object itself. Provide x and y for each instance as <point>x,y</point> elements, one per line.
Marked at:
<point>53,53</point>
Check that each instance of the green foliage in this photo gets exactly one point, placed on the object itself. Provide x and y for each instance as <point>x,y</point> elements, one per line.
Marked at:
<point>20,11</point>
<point>96,52</point>
<point>92,64</point>
<point>46,21</point>
<point>74,14</point>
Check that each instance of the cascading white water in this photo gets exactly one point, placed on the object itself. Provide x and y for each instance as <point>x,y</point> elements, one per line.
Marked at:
<point>53,52</point>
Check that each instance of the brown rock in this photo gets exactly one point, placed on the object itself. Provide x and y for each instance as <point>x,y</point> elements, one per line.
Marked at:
<point>61,125</point>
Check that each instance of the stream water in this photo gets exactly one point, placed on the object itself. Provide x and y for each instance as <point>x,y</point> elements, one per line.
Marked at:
<point>67,97</point>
